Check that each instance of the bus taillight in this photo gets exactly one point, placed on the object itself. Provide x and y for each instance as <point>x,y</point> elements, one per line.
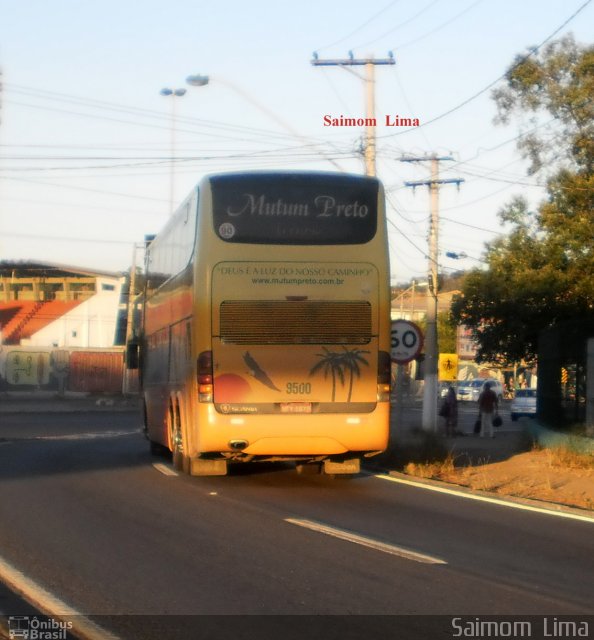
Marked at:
<point>384,376</point>
<point>205,376</point>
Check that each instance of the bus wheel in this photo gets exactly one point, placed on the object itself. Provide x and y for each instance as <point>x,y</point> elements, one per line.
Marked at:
<point>178,457</point>
<point>144,421</point>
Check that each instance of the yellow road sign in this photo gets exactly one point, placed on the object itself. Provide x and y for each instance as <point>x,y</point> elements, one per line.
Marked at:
<point>448,366</point>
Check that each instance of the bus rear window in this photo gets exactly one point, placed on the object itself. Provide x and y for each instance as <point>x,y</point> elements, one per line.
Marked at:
<point>295,209</point>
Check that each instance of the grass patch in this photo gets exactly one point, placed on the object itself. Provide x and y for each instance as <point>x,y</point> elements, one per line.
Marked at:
<point>567,458</point>
<point>430,469</point>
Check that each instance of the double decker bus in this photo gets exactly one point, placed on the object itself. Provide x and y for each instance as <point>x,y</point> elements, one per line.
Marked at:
<point>266,324</point>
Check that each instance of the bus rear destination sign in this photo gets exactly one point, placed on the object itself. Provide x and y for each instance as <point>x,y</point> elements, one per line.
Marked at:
<point>295,209</point>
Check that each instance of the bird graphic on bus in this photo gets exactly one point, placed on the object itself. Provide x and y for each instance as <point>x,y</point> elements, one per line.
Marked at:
<point>257,372</point>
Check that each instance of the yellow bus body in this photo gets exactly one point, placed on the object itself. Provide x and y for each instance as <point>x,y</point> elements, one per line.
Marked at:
<point>257,351</point>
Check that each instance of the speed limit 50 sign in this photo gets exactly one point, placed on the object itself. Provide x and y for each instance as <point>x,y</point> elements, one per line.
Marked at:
<point>407,341</point>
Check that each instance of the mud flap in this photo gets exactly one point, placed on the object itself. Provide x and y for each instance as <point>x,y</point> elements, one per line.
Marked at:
<point>205,467</point>
<point>334,467</point>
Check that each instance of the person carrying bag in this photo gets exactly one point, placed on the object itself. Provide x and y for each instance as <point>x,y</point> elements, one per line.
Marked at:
<point>488,408</point>
<point>497,421</point>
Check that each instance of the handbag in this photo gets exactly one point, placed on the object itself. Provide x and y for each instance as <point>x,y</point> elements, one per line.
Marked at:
<point>497,421</point>
<point>477,425</point>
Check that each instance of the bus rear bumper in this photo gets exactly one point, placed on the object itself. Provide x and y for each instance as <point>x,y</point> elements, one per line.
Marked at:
<point>296,445</point>
<point>320,435</point>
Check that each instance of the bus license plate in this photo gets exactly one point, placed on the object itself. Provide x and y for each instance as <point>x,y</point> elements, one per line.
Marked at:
<point>295,407</point>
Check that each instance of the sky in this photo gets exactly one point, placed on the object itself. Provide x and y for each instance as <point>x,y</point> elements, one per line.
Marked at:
<point>92,155</point>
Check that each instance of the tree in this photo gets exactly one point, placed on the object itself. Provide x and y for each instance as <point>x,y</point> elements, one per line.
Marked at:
<point>542,272</point>
<point>559,82</point>
<point>446,332</point>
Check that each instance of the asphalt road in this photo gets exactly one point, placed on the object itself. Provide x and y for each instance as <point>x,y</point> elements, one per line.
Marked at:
<point>86,514</point>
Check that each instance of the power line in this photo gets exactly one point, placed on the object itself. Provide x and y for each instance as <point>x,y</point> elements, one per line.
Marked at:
<point>30,236</point>
<point>369,63</point>
<point>438,28</point>
<point>398,26</point>
<point>360,27</point>
<point>129,122</point>
<point>137,111</point>
<point>84,206</point>
<point>87,189</point>
<point>470,226</point>
<point>494,82</point>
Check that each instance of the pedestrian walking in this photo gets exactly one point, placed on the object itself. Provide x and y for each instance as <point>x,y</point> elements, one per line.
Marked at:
<point>488,406</point>
<point>450,412</point>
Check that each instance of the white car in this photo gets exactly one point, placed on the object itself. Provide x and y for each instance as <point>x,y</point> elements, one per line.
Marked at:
<point>471,390</point>
<point>523,404</point>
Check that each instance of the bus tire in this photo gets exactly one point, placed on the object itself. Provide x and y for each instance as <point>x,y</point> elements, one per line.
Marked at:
<point>144,421</point>
<point>180,460</point>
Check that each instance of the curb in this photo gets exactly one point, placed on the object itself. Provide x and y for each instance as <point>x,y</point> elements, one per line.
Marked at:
<point>65,409</point>
<point>73,404</point>
<point>553,508</point>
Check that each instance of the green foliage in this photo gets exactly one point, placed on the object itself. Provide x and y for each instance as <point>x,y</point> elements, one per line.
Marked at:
<point>558,83</point>
<point>542,272</point>
<point>446,332</point>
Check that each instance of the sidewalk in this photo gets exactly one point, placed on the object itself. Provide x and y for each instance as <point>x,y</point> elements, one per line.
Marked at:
<point>466,448</point>
<point>470,449</point>
<point>71,401</point>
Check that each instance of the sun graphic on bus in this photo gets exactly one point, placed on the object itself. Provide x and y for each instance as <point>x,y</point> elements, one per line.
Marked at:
<point>229,387</point>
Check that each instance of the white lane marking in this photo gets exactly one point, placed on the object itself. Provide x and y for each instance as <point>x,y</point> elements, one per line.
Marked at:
<point>365,541</point>
<point>164,469</point>
<point>499,501</point>
<point>51,605</point>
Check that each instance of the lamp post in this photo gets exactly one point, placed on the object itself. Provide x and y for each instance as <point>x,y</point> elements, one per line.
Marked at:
<point>412,288</point>
<point>172,93</point>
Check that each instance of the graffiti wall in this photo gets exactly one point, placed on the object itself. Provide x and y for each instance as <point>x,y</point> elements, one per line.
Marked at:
<point>96,371</point>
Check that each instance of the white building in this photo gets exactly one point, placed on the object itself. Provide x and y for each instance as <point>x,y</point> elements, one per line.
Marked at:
<point>44,305</point>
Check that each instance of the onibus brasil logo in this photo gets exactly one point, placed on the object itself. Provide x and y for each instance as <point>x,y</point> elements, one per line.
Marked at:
<point>32,628</point>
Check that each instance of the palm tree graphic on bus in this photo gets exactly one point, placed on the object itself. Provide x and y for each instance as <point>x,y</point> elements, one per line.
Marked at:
<point>339,364</point>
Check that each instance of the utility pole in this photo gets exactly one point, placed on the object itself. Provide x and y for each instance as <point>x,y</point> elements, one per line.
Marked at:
<point>131,333</point>
<point>369,63</point>
<point>431,343</point>
<point>173,94</point>
<point>130,328</point>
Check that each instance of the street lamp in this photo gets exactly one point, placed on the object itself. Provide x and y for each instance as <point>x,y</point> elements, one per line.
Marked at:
<point>173,93</point>
<point>197,80</point>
